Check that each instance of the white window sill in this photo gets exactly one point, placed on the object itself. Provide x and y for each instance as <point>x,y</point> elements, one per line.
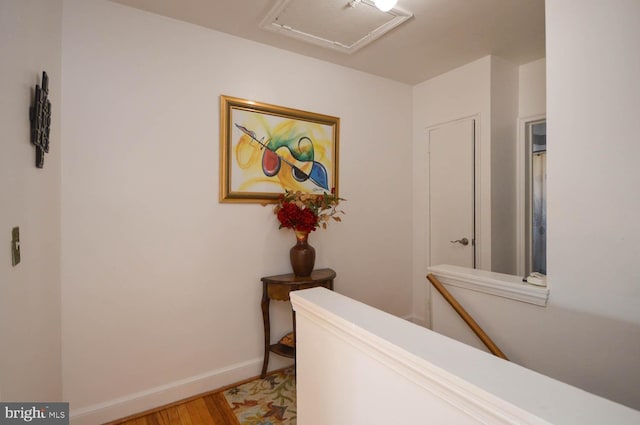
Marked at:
<point>498,284</point>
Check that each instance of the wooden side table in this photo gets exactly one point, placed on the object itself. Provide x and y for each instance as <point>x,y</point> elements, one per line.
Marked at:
<point>278,288</point>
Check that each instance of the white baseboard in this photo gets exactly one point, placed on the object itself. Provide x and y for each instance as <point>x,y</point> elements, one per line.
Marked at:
<point>154,397</point>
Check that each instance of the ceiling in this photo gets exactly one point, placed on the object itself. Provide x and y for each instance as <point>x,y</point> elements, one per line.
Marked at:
<point>441,35</point>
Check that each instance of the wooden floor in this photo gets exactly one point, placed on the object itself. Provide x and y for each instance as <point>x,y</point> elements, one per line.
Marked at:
<point>205,409</point>
<point>209,409</point>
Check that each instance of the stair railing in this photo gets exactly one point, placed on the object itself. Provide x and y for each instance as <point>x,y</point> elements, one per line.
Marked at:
<point>488,342</point>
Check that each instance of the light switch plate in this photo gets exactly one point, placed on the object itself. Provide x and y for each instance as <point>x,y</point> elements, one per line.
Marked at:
<point>15,246</point>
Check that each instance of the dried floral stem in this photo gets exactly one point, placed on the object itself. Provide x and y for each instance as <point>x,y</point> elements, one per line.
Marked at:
<point>306,212</point>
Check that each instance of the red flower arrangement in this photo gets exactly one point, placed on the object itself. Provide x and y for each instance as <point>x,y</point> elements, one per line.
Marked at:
<point>304,212</point>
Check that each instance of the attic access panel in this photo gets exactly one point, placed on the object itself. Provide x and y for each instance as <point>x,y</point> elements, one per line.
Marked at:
<point>341,25</point>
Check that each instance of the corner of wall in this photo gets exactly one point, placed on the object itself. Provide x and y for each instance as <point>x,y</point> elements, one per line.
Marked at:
<point>30,303</point>
<point>504,114</point>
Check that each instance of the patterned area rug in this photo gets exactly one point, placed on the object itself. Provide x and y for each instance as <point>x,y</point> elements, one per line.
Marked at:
<point>268,401</point>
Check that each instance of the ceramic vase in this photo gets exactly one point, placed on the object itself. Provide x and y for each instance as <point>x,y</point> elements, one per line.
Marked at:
<point>302,255</point>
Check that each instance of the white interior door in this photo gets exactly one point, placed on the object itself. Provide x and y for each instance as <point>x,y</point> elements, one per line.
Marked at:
<point>452,194</point>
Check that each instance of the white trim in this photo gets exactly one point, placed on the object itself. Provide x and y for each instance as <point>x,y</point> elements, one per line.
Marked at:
<point>476,384</point>
<point>498,284</point>
<point>461,394</point>
<point>164,394</point>
<point>521,153</point>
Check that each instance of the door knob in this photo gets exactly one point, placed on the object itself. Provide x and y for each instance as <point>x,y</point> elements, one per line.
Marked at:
<point>463,241</point>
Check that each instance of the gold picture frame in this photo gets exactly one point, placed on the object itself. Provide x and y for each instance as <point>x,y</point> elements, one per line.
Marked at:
<point>267,149</point>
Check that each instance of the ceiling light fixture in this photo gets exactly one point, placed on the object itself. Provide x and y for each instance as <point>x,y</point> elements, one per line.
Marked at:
<point>385,5</point>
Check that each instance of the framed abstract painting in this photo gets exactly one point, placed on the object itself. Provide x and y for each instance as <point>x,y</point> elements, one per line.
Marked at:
<point>267,149</point>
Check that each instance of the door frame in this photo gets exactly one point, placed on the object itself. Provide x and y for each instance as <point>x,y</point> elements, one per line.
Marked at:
<point>476,186</point>
<point>522,149</point>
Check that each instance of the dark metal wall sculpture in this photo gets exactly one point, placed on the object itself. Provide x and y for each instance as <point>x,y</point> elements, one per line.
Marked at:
<point>40,117</point>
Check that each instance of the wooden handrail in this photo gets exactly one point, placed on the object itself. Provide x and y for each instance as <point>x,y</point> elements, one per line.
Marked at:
<point>466,317</point>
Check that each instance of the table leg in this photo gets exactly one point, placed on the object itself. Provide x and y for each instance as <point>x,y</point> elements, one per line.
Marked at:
<point>267,329</point>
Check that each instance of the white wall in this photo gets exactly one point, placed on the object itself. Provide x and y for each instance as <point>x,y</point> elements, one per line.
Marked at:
<point>592,352</point>
<point>504,119</point>
<point>592,109</point>
<point>532,88</point>
<point>593,104</point>
<point>589,334</point>
<point>30,365</point>
<point>487,90</point>
<point>161,283</point>
<point>463,92</point>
